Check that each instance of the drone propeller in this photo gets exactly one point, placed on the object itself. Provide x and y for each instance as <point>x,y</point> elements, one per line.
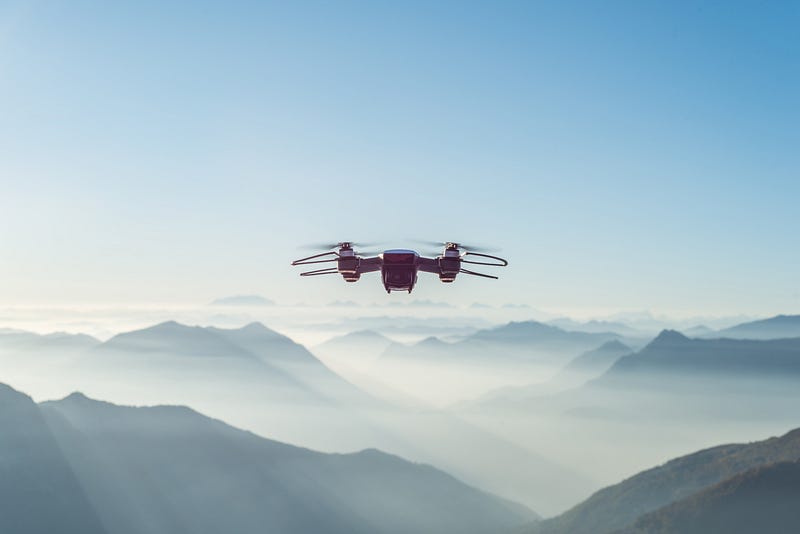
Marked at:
<point>475,248</point>
<point>329,246</point>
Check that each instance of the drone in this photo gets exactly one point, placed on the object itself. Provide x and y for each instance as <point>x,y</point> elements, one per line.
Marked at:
<point>399,267</point>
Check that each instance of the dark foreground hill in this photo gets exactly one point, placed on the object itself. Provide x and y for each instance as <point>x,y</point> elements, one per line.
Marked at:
<point>79,465</point>
<point>38,490</point>
<point>618,507</point>
<point>765,500</point>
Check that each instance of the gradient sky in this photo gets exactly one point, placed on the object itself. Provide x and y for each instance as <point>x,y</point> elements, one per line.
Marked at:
<point>623,155</point>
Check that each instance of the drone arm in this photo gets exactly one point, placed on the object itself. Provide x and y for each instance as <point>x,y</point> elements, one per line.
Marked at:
<point>369,265</point>
<point>428,265</point>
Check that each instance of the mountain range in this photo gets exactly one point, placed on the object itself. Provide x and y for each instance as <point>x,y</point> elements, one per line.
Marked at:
<point>703,360</point>
<point>675,373</point>
<point>83,466</point>
<point>253,354</point>
<point>780,326</point>
<point>258,379</point>
<point>515,344</point>
<point>702,484</point>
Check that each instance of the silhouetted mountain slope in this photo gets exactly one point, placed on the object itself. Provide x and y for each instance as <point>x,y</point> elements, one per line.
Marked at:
<point>171,470</point>
<point>616,507</point>
<point>38,491</point>
<point>764,500</point>
<point>781,326</point>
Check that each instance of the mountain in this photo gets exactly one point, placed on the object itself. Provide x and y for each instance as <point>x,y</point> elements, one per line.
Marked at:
<point>257,379</point>
<point>243,300</point>
<point>169,470</point>
<point>618,506</point>
<point>250,376</point>
<point>534,341</point>
<point>595,327</point>
<point>253,349</point>
<point>591,364</point>
<point>673,353</point>
<point>588,365</point>
<point>59,341</point>
<point>765,499</point>
<point>699,331</point>
<point>38,490</point>
<point>278,351</point>
<point>177,340</point>
<point>40,362</point>
<point>781,326</point>
<point>515,343</point>
<point>515,354</point>
<point>359,348</point>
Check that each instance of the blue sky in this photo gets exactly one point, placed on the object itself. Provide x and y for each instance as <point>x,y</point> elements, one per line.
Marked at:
<point>624,155</point>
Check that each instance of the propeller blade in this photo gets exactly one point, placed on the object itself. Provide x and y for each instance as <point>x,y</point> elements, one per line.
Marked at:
<point>442,244</point>
<point>328,246</point>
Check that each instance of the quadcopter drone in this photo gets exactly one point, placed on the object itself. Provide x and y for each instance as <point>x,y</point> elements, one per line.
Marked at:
<point>399,267</point>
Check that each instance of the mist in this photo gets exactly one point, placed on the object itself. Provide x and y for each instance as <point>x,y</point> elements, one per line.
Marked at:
<point>527,411</point>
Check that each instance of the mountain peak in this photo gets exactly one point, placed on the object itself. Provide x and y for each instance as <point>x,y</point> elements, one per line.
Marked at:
<point>668,337</point>
<point>76,396</point>
<point>168,326</point>
<point>431,341</point>
<point>254,327</point>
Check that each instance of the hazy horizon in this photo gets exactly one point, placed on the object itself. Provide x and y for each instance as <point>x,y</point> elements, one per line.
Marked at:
<point>189,152</point>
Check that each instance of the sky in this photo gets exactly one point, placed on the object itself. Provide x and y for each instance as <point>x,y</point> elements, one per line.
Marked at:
<point>622,155</point>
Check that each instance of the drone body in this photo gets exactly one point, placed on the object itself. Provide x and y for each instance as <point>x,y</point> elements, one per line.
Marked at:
<point>398,267</point>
